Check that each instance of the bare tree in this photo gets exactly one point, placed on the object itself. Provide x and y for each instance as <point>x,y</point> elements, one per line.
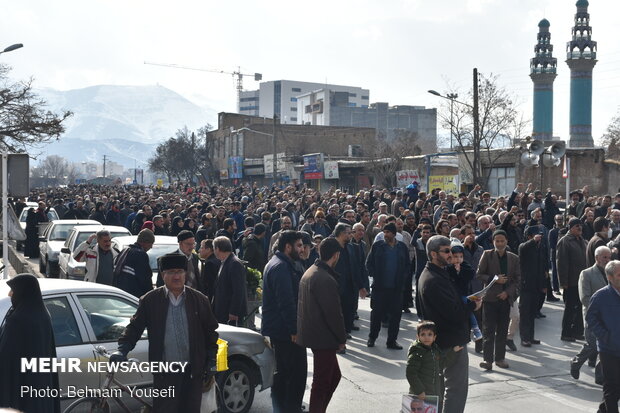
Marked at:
<point>24,122</point>
<point>386,155</point>
<point>500,125</point>
<point>611,138</point>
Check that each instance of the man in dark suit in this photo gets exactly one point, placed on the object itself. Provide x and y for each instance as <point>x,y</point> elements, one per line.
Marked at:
<point>230,301</point>
<point>181,328</point>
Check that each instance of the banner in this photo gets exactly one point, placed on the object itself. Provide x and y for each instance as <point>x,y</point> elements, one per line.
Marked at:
<point>313,166</point>
<point>235,167</point>
<point>268,163</point>
<point>447,183</point>
<point>405,177</point>
<point>331,170</point>
<point>223,173</point>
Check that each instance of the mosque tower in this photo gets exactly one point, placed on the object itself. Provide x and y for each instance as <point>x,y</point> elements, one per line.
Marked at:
<point>581,58</point>
<point>543,69</point>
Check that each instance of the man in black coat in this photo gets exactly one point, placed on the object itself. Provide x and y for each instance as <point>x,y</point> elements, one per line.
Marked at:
<point>534,266</point>
<point>230,301</point>
<point>209,269</point>
<point>132,272</point>
<point>441,303</point>
<point>388,265</point>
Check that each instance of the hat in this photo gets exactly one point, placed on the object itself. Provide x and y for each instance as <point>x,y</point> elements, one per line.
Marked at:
<point>500,232</point>
<point>259,228</point>
<point>573,222</point>
<point>382,204</point>
<point>185,234</point>
<point>305,238</point>
<point>457,246</point>
<point>533,230</point>
<point>390,227</point>
<point>173,262</point>
<point>146,236</point>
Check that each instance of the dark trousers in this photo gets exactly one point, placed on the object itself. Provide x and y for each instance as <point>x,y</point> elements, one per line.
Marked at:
<point>347,303</point>
<point>289,379</point>
<point>528,308</point>
<point>325,379</point>
<point>187,392</point>
<point>407,291</point>
<point>611,383</point>
<point>495,320</point>
<point>385,302</point>
<point>588,351</point>
<point>572,320</point>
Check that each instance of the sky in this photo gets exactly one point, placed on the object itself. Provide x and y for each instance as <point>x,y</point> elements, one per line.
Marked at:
<point>396,48</point>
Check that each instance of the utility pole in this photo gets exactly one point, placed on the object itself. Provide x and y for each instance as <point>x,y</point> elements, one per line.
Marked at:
<point>476,143</point>
<point>104,159</point>
<point>275,153</point>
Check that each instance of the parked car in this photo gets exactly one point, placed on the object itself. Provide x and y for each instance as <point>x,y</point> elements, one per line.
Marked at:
<point>68,266</point>
<point>52,215</point>
<point>53,239</point>
<point>85,315</point>
<point>163,245</point>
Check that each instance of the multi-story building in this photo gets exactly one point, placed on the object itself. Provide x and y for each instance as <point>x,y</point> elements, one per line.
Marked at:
<point>279,97</point>
<point>326,107</point>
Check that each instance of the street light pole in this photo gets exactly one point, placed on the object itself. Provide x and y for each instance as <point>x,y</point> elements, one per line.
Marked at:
<point>275,153</point>
<point>452,97</point>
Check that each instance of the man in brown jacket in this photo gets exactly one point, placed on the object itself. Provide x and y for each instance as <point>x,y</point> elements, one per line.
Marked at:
<point>498,300</point>
<point>571,260</point>
<point>320,323</point>
<point>181,328</point>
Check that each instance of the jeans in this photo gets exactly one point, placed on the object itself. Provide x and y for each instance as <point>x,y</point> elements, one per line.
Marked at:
<point>495,319</point>
<point>289,379</point>
<point>324,380</point>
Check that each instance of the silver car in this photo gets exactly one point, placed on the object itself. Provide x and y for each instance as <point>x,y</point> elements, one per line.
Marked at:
<point>85,315</point>
<point>53,239</point>
<point>68,266</point>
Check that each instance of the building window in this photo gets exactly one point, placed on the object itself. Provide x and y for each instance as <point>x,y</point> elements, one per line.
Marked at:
<point>277,95</point>
<point>293,118</point>
<point>352,95</point>
<point>501,181</point>
<point>352,104</point>
<point>293,99</point>
<point>365,106</point>
<point>248,108</point>
<point>364,97</point>
<point>252,99</point>
<point>294,109</point>
<point>296,89</point>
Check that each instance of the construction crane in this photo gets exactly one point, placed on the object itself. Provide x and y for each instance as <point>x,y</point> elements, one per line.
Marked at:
<point>236,74</point>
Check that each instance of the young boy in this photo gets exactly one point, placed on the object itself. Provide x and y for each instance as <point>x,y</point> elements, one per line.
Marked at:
<point>425,363</point>
<point>462,273</point>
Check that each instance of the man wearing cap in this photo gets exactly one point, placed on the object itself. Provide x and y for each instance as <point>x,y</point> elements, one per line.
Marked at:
<point>388,265</point>
<point>133,272</point>
<point>186,247</point>
<point>534,266</point>
<point>571,260</point>
<point>500,297</point>
<point>253,248</point>
<point>181,328</point>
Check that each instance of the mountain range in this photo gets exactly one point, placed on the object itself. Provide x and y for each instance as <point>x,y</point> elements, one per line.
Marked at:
<point>123,122</point>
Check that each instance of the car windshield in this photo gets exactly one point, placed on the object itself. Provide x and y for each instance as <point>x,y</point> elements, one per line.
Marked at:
<point>60,232</point>
<point>159,250</point>
<point>52,215</point>
<point>83,236</point>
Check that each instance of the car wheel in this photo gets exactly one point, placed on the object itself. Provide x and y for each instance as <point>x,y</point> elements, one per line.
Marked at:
<point>41,266</point>
<point>236,388</point>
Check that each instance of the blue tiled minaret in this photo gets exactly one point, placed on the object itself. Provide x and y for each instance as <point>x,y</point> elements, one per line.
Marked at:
<point>543,69</point>
<point>581,58</point>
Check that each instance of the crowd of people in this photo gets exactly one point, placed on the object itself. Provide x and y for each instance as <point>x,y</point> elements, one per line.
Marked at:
<point>405,249</point>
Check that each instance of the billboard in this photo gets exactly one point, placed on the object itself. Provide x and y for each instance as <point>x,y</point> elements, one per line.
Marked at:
<point>268,163</point>
<point>331,170</point>
<point>407,176</point>
<point>235,167</point>
<point>223,173</point>
<point>313,166</point>
<point>448,183</point>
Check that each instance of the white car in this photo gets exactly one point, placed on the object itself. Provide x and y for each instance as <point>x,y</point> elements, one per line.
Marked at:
<point>68,266</point>
<point>163,245</point>
<point>85,315</point>
<point>53,239</point>
<point>52,215</point>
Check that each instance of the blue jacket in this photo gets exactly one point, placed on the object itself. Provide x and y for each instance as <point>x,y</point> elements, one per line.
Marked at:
<point>376,261</point>
<point>603,321</point>
<point>280,290</point>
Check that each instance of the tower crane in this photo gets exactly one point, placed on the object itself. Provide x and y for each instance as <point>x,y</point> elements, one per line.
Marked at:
<point>236,74</point>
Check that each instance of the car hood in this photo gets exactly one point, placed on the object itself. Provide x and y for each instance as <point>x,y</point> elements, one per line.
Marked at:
<point>54,247</point>
<point>238,338</point>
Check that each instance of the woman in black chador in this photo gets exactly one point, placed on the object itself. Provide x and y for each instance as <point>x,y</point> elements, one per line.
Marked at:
<point>26,331</point>
<point>31,246</point>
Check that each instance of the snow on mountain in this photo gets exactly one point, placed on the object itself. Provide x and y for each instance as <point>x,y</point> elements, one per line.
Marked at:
<point>125,122</point>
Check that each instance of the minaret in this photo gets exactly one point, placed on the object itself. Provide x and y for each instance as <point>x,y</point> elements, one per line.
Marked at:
<point>543,69</point>
<point>581,58</point>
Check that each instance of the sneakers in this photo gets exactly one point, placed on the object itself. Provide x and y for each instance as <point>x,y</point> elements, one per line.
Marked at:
<point>476,333</point>
<point>511,345</point>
